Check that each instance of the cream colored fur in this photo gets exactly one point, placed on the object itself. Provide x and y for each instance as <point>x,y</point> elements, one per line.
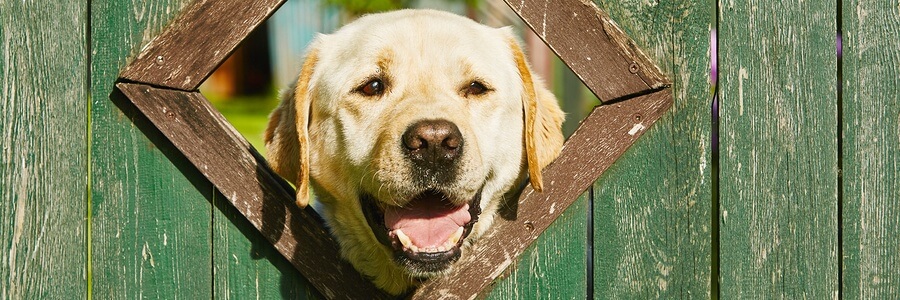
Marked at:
<point>326,135</point>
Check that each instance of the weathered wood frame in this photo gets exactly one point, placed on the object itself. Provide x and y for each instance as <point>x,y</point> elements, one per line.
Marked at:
<point>163,79</point>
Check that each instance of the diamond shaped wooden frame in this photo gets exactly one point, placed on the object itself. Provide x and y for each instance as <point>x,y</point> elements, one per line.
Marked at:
<point>163,79</point>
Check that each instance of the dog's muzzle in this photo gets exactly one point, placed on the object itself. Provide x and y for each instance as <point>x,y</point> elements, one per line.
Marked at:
<point>428,229</point>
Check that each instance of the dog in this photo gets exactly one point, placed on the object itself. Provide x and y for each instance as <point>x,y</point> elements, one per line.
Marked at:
<point>413,127</point>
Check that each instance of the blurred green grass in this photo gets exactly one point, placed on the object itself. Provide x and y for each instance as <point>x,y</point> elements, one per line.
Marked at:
<point>248,114</point>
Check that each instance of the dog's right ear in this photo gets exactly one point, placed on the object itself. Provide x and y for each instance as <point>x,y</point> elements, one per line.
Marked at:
<point>543,119</point>
<point>287,135</point>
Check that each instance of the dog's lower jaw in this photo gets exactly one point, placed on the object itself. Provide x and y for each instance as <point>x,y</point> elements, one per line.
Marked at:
<point>386,276</point>
<point>360,247</point>
<point>373,259</point>
<point>394,280</point>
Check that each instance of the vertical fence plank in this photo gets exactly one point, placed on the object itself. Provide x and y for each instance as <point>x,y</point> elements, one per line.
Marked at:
<point>555,267</point>
<point>43,133</point>
<point>779,159</point>
<point>652,209</point>
<point>247,266</point>
<point>150,222</point>
<point>871,153</point>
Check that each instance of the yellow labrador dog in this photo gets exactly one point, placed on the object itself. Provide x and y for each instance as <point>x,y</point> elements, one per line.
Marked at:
<point>413,127</point>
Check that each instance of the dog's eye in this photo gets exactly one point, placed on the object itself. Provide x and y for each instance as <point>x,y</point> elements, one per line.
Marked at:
<point>475,88</point>
<point>374,87</point>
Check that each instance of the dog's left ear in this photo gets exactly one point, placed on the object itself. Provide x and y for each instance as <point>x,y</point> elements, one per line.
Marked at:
<point>543,119</point>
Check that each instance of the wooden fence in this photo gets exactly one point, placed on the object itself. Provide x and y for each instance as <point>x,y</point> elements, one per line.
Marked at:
<point>97,203</point>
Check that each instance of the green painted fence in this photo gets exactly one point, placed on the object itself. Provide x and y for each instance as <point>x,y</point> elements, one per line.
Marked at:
<point>808,186</point>
<point>779,142</point>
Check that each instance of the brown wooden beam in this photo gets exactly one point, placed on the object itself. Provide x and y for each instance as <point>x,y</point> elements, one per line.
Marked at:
<point>229,162</point>
<point>194,45</point>
<point>601,139</point>
<point>593,46</point>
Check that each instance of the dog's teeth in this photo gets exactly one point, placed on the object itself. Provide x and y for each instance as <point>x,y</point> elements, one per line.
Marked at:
<point>448,245</point>
<point>455,237</point>
<point>404,239</point>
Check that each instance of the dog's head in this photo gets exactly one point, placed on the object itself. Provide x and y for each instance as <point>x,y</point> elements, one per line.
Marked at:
<point>412,126</point>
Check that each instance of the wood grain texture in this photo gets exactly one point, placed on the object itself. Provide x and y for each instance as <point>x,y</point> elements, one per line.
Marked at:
<point>555,266</point>
<point>197,42</point>
<point>213,146</point>
<point>779,150</point>
<point>601,139</point>
<point>871,160</point>
<point>246,265</point>
<point>652,207</point>
<point>592,45</point>
<point>161,64</point>
<point>150,218</point>
<point>43,160</point>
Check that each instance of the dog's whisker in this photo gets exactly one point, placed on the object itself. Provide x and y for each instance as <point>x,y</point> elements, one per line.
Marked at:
<point>362,179</point>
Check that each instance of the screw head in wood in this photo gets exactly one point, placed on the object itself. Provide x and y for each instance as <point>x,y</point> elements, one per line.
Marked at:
<point>168,113</point>
<point>633,68</point>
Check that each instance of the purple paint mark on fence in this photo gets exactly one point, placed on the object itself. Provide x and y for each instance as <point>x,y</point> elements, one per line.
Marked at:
<point>714,81</point>
<point>714,58</point>
<point>840,45</point>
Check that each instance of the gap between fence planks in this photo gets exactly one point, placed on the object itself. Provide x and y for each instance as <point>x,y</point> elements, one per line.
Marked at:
<point>241,175</point>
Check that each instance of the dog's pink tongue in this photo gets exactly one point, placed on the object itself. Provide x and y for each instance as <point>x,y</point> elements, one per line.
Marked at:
<point>428,220</point>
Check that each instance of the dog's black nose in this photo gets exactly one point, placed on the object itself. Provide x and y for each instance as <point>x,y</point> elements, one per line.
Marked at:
<point>434,142</point>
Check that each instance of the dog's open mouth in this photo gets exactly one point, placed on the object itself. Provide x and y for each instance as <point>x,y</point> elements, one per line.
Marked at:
<point>426,234</point>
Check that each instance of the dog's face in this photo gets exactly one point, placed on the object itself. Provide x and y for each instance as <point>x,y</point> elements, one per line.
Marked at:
<point>412,127</point>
